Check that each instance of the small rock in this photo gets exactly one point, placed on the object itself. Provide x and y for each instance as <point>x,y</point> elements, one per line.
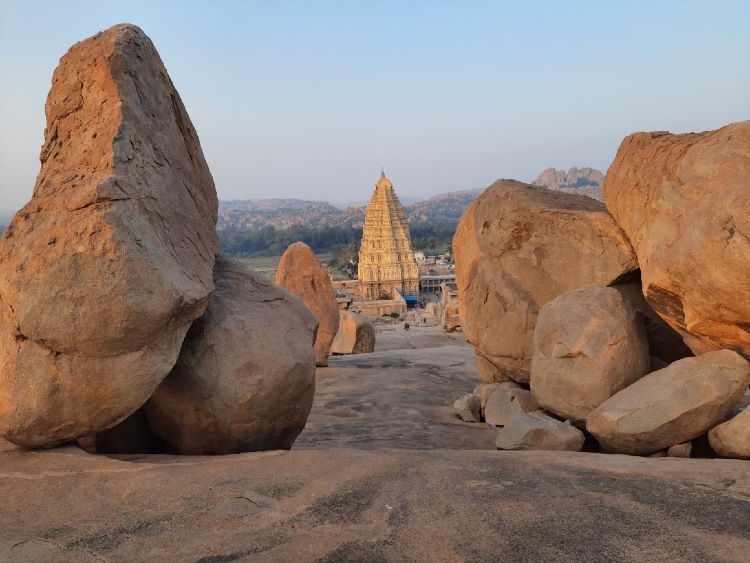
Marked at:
<point>485,390</point>
<point>680,450</point>
<point>468,407</point>
<point>537,431</point>
<point>505,402</point>
<point>732,438</point>
<point>356,335</point>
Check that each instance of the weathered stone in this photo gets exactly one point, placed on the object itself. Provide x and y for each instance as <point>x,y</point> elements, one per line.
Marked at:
<point>356,335</point>
<point>680,450</point>
<point>506,402</point>
<point>537,431</point>
<point>683,200</point>
<point>588,345</point>
<point>104,270</point>
<point>300,272</point>
<point>386,260</point>
<point>468,408</point>
<point>485,390</point>
<point>665,344</point>
<point>245,378</point>
<point>517,247</point>
<point>732,438</point>
<point>672,405</point>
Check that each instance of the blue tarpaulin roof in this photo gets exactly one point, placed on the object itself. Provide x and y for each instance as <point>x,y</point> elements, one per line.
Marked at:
<point>410,298</point>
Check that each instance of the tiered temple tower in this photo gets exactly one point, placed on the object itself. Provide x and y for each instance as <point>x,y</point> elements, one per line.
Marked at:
<point>386,260</point>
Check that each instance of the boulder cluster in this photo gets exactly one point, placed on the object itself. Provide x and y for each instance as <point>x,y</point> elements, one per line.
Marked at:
<point>120,326</point>
<point>620,327</point>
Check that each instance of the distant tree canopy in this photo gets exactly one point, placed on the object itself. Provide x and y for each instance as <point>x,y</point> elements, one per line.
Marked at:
<point>270,241</point>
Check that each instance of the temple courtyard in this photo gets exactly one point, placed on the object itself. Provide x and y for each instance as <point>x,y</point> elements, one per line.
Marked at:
<point>382,472</point>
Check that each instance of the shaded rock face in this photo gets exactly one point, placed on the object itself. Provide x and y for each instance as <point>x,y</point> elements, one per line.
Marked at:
<point>732,438</point>
<point>537,431</point>
<point>589,344</point>
<point>671,406</point>
<point>505,402</point>
<point>131,436</point>
<point>517,247</point>
<point>104,270</point>
<point>245,378</point>
<point>468,408</point>
<point>356,335</point>
<point>683,200</point>
<point>300,272</point>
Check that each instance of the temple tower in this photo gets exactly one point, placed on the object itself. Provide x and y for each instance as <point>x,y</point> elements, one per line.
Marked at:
<point>386,260</point>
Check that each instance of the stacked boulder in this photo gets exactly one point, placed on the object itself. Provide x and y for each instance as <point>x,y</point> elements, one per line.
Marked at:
<point>356,335</point>
<point>611,352</point>
<point>109,266</point>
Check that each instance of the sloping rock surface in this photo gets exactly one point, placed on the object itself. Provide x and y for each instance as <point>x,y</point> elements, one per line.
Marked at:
<point>104,270</point>
<point>300,272</point>
<point>683,202</point>
<point>517,247</point>
<point>245,378</point>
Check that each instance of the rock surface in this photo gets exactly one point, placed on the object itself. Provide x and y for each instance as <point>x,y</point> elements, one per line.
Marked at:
<point>245,378</point>
<point>506,402</point>
<point>732,438</point>
<point>683,200</point>
<point>356,335</point>
<point>104,270</point>
<point>131,436</point>
<point>672,405</point>
<point>469,408</point>
<point>537,431</point>
<point>514,249</point>
<point>588,345</point>
<point>300,272</point>
<point>581,181</point>
<point>485,390</point>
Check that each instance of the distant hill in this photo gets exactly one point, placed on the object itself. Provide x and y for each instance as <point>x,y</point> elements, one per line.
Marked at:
<point>581,181</point>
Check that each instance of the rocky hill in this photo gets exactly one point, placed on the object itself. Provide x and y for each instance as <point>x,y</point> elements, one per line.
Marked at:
<point>581,181</point>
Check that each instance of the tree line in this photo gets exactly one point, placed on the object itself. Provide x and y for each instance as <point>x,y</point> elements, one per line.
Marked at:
<point>270,241</point>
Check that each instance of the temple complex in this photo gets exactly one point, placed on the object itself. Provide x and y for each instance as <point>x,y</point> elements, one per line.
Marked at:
<point>386,260</point>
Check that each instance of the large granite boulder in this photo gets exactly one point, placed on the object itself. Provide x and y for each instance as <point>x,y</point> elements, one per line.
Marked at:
<point>245,378</point>
<point>104,270</point>
<point>683,202</point>
<point>537,431</point>
<point>671,406</point>
<point>517,247</point>
<point>300,272</point>
<point>732,438</point>
<point>356,335</point>
<point>589,344</point>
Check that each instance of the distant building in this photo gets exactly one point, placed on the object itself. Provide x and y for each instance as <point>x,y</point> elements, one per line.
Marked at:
<point>386,259</point>
<point>432,283</point>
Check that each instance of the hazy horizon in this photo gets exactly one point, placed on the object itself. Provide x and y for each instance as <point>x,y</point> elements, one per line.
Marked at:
<point>308,100</point>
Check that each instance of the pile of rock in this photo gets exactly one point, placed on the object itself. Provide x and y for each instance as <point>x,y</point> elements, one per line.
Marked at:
<point>599,311</point>
<point>111,294</point>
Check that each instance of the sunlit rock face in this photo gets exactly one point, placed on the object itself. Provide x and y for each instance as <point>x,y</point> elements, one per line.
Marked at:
<point>683,201</point>
<point>386,259</point>
<point>301,273</point>
<point>104,270</point>
<point>517,247</point>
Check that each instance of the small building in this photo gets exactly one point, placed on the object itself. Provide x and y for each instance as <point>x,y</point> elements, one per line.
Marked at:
<point>431,284</point>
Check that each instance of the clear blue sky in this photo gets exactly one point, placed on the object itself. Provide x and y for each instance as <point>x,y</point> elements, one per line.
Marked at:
<point>309,99</point>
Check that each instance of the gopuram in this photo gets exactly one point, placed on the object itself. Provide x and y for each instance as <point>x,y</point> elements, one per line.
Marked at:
<point>386,260</point>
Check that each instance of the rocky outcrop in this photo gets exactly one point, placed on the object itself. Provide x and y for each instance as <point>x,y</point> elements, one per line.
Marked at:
<point>588,345</point>
<point>672,405</point>
<point>732,438</point>
<point>104,270</point>
<point>537,431</point>
<point>581,181</point>
<point>485,390</point>
<point>245,378</point>
<point>300,272</point>
<point>517,247</point>
<point>683,200</point>
<point>356,335</point>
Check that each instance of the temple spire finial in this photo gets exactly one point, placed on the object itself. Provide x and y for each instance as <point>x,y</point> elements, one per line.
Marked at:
<point>382,171</point>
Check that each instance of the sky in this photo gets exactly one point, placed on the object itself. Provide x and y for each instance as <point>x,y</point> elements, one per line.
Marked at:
<point>309,99</point>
